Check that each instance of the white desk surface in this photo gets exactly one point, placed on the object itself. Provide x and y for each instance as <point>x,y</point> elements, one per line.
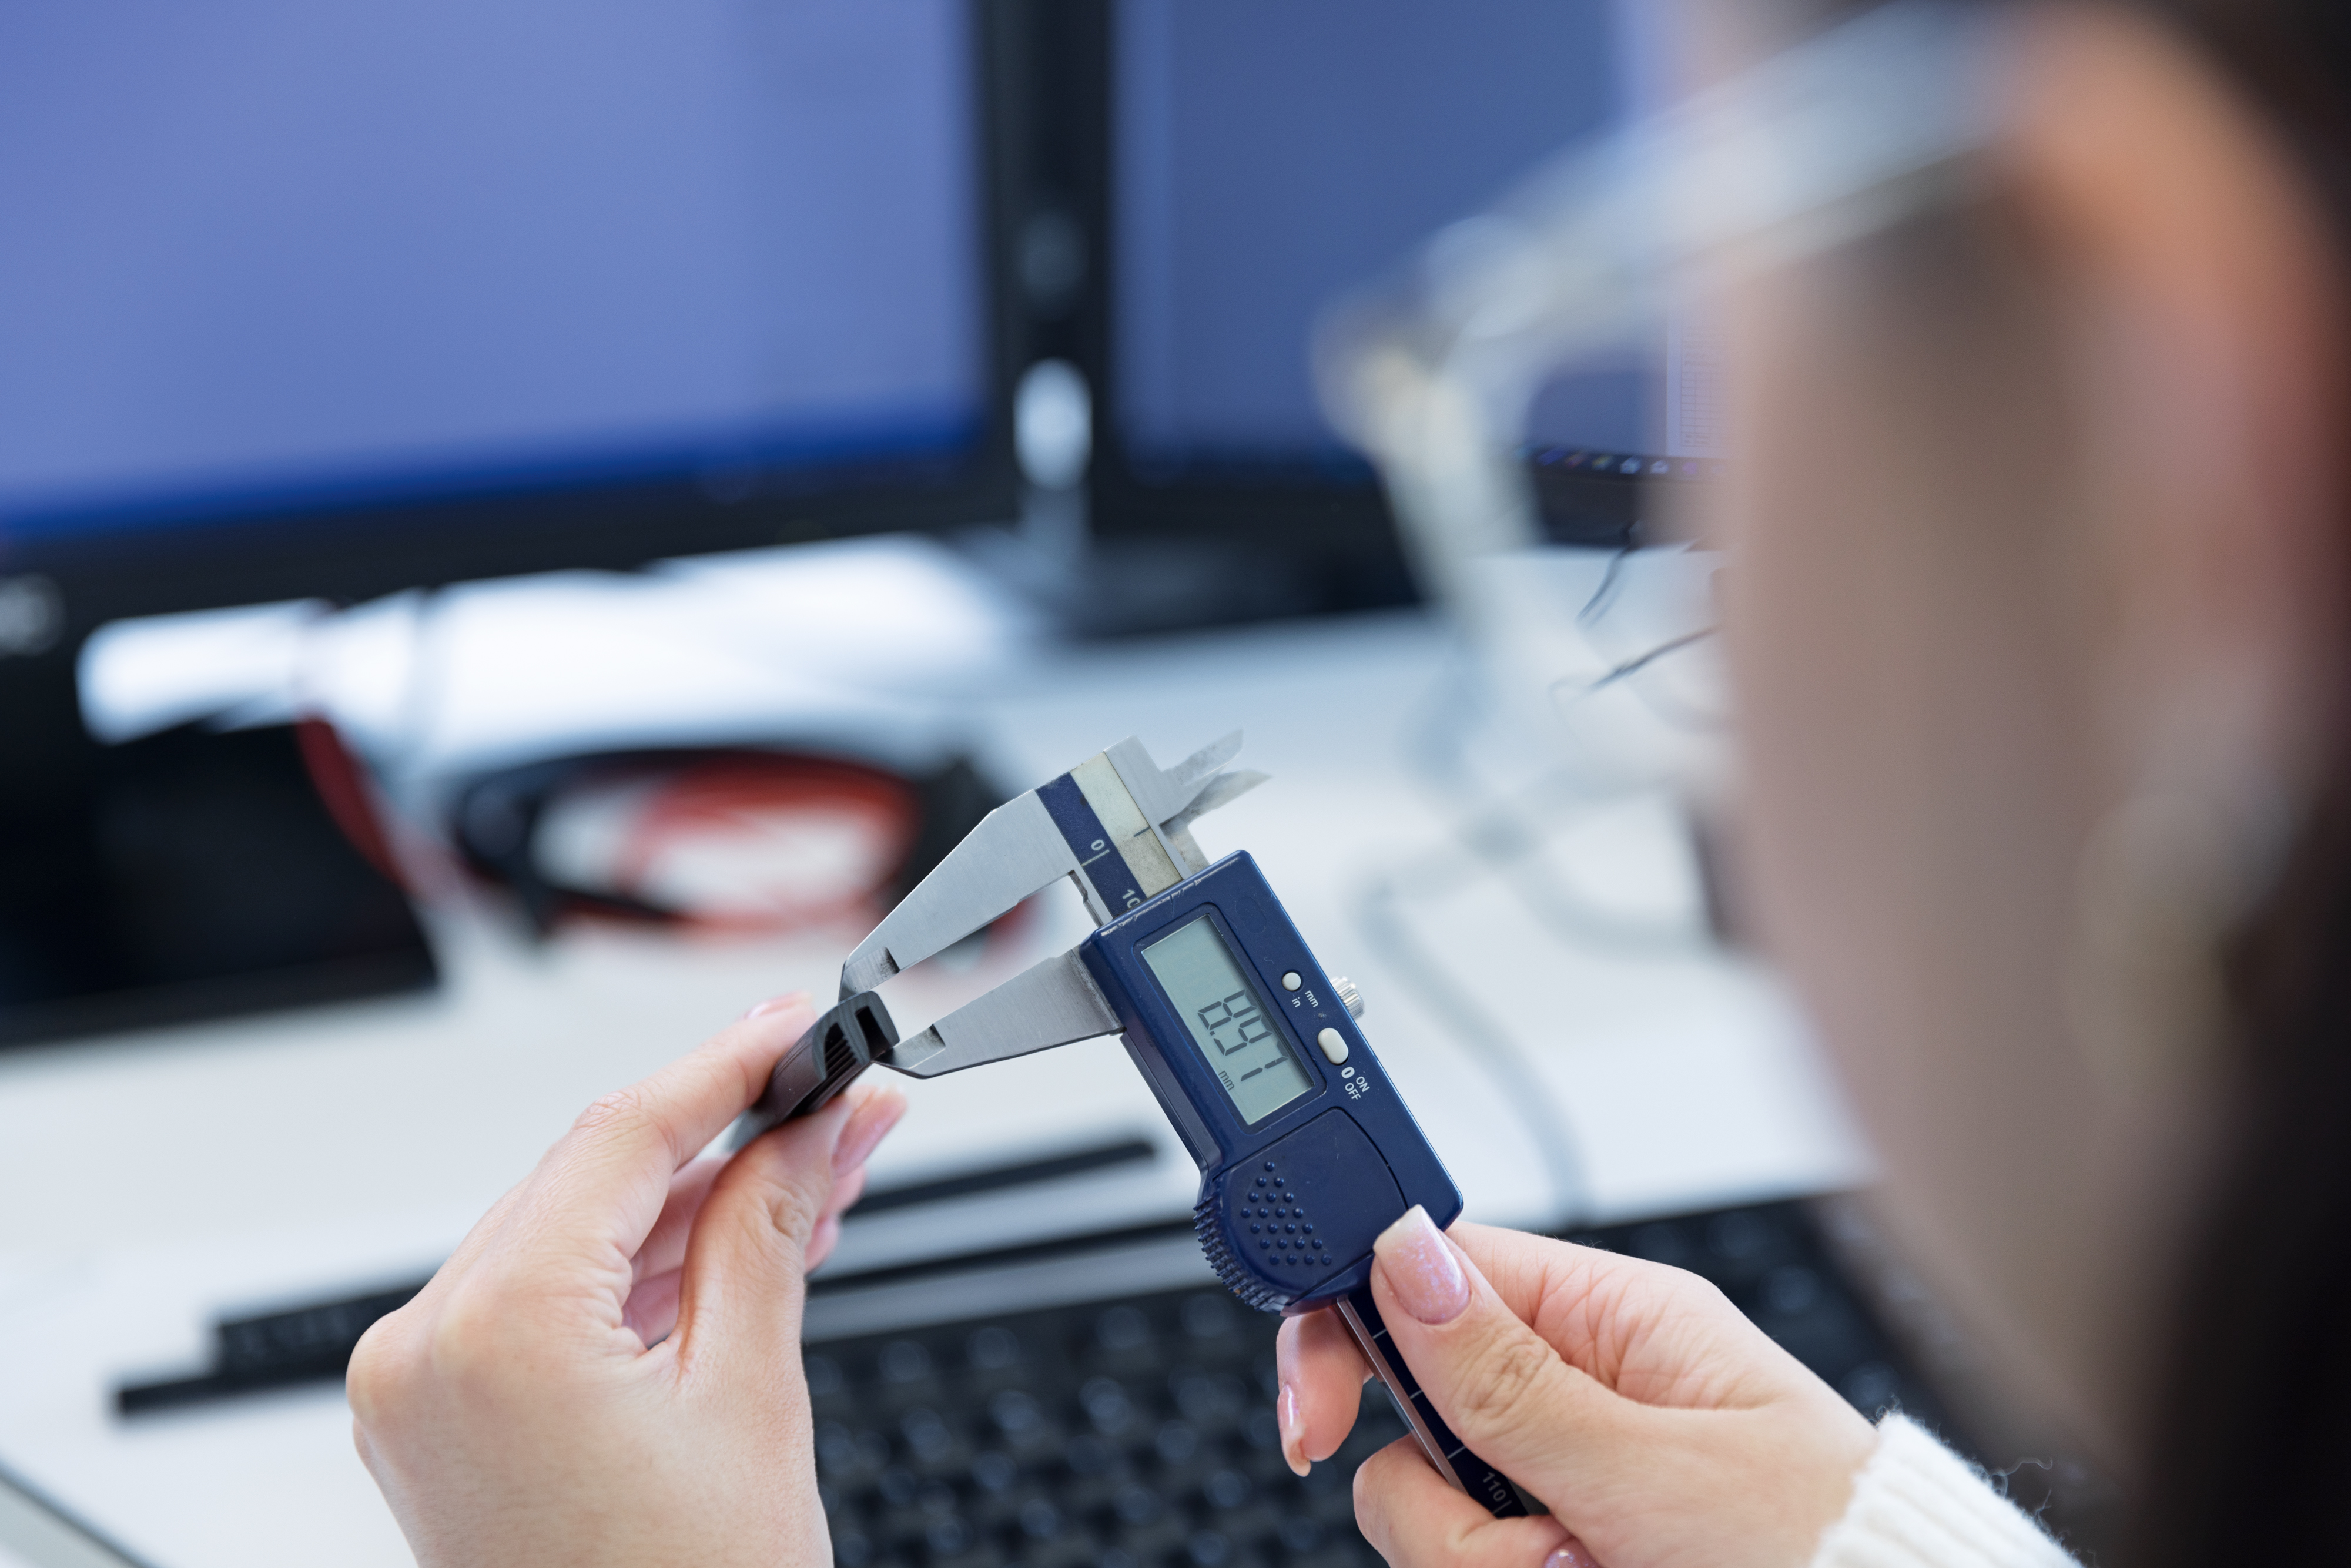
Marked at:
<point>149,1183</point>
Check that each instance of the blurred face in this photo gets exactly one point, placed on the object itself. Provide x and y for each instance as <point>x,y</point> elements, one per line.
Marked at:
<point>2018,606</point>
<point>1907,628</point>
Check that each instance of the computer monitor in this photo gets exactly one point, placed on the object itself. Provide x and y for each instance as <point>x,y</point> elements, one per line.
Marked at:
<point>1266,160</point>
<point>331,300</point>
<point>312,299</point>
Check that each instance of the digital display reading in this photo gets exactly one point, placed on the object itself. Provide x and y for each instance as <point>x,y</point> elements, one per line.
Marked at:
<point>1229,1020</point>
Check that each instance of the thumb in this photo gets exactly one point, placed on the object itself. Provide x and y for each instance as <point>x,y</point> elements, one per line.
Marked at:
<point>741,1287</point>
<point>1502,1388</point>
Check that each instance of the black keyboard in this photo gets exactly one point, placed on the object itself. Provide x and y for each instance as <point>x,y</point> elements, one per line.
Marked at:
<point>1122,1434</point>
<point>1131,1433</point>
<point>1139,1433</point>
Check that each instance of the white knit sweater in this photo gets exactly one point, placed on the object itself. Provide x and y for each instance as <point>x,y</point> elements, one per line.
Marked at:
<point>1917,1505</point>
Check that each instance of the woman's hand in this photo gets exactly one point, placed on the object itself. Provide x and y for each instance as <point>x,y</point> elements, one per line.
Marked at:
<point>608,1370</point>
<point>1661,1427</point>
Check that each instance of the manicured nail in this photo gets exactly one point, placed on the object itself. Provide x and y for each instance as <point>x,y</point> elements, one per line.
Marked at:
<point>868,1125</point>
<point>1421,1269</point>
<point>1570,1554</point>
<point>1293,1429</point>
<point>774,1005</point>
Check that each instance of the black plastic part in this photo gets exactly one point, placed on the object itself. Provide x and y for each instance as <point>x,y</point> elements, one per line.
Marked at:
<point>273,1350</point>
<point>1021,1173</point>
<point>821,1063</point>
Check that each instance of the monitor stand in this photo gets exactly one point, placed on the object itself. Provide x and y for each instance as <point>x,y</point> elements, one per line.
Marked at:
<point>186,875</point>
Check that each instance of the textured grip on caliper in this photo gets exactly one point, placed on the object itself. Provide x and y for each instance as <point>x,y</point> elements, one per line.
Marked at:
<point>1450,1456</point>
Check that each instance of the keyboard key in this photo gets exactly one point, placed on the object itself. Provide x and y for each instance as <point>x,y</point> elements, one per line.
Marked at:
<point>905,1361</point>
<point>1209,1317</point>
<point>1176,1442</point>
<point>1040,1519</point>
<point>993,1472</point>
<point>927,1435</point>
<point>1208,1549</point>
<point>1016,1412</point>
<point>992,1349</point>
<point>1123,1329</point>
<point>1106,1405</point>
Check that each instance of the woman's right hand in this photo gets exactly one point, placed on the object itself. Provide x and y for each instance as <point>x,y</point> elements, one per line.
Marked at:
<point>1661,1427</point>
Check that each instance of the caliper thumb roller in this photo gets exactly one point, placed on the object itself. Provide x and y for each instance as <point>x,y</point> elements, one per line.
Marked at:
<point>1306,1151</point>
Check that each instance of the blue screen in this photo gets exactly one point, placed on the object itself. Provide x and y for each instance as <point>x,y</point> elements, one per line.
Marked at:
<point>1270,157</point>
<point>265,254</point>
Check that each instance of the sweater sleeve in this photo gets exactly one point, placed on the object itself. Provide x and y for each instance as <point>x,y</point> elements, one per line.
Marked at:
<point>1915,1504</point>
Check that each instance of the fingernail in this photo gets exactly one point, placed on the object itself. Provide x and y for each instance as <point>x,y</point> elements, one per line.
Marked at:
<point>774,1005</point>
<point>1293,1429</point>
<point>1570,1554</point>
<point>1421,1269</point>
<point>868,1125</point>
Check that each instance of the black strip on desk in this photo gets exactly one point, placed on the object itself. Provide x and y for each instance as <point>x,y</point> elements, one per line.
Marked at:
<point>1127,1151</point>
<point>314,1342</point>
<point>1003,1256</point>
<point>273,1350</point>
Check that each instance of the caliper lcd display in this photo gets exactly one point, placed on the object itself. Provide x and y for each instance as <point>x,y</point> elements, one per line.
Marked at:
<point>1229,1020</point>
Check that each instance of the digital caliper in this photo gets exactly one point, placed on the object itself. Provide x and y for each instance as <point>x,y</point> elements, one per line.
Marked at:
<point>1306,1151</point>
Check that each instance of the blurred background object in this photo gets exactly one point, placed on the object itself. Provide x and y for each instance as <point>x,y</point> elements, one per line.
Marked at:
<point>335,304</point>
<point>734,840</point>
<point>1466,371</point>
<point>580,506</point>
<point>380,304</point>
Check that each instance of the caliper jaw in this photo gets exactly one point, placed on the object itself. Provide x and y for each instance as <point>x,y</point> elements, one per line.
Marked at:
<point>1117,824</point>
<point>1021,847</point>
<point>1052,1003</point>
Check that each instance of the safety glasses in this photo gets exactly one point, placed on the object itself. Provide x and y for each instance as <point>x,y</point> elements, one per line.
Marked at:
<point>1432,370</point>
